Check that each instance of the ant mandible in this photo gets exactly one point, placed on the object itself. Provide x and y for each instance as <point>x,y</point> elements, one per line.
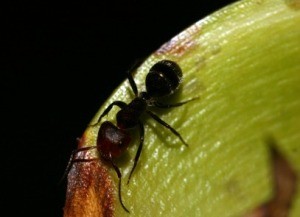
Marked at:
<point>162,80</point>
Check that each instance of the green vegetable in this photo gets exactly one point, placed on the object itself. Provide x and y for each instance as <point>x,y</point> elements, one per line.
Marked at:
<point>244,63</point>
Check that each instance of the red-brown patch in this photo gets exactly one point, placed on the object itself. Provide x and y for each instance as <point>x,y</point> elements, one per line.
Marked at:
<point>180,44</point>
<point>284,189</point>
<point>293,4</point>
<point>81,141</point>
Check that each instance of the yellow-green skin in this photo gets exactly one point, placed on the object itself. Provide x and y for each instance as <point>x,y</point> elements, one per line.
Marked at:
<point>244,63</point>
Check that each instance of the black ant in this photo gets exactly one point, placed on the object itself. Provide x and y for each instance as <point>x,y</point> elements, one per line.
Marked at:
<point>162,80</point>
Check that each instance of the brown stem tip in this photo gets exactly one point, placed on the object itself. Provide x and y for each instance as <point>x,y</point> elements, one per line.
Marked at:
<point>90,191</point>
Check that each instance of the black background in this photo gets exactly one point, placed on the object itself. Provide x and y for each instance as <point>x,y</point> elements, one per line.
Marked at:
<point>60,62</point>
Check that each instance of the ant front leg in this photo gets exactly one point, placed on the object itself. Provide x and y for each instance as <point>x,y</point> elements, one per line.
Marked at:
<point>138,153</point>
<point>155,117</point>
<point>119,174</point>
<point>72,160</point>
<point>161,105</point>
<point>120,104</point>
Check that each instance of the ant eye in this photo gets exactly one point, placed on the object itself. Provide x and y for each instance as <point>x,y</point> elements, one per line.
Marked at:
<point>163,78</point>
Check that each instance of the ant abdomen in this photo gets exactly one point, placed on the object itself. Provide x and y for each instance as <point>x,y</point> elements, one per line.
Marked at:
<point>163,78</point>
<point>112,141</point>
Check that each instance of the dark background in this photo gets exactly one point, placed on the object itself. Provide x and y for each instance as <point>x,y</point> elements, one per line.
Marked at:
<point>61,61</point>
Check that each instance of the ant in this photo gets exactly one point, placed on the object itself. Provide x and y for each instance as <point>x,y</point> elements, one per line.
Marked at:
<point>162,80</point>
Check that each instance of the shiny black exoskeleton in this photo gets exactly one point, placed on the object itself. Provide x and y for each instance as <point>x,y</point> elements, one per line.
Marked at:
<point>163,79</point>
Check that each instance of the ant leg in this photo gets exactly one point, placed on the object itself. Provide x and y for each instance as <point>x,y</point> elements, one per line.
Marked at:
<point>155,117</point>
<point>161,105</point>
<point>132,83</point>
<point>138,153</point>
<point>72,160</point>
<point>120,104</point>
<point>120,179</point>
<point>130,78</point>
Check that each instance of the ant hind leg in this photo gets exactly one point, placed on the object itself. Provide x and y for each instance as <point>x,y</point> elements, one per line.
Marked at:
<point>132,83</point>
<point>119,174</point>
<point>161,105</point>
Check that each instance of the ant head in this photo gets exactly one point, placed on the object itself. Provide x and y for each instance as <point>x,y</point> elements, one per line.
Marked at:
<point>163,78</point>
<point>112,141</point>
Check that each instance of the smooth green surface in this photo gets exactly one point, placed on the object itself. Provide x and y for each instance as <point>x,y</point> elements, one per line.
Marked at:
<point>244,63</point>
